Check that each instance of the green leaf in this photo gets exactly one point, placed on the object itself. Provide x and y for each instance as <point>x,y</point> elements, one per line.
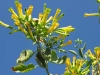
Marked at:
<point>85,70</point>
<point>60,60</point>
<point>47,54</point>
<point>89,63</point>
<point>85,56</point>
<point>61,50</point>
<point>14,30</point>
<point>75,46</point>
<point>53,56</point>
<point>78,41</point>
<point>40,60</point>
<point>80,52</point>
<point>84,46</point>
<point>74,52</point>
<point>25,56</point>
<point>23,68</point>
<point>66,73</point>
<point>98,1</point>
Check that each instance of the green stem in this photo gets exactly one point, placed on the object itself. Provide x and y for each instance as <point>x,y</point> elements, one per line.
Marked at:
<point>47,71</point>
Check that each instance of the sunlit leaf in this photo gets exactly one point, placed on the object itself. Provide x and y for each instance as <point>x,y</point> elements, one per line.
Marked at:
<point>60,60</point>
<point>72,51</point>
<point>98,1</point>
<point>25,56</point>
<point>23,68</point>
<point>61,50</point>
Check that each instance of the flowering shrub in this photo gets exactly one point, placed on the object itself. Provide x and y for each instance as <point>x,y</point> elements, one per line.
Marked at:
<point>41,31</point>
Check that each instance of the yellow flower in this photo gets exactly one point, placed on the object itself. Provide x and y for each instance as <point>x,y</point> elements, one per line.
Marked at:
<point>91,14</point>
<point>19,8</point>
<point>53,27</point>
<point>40,17</point>
<point>14,15</point>
<point>30,31</point>
<point>50,18</point>
<point>97,51</point>
<point>67,70</point>
<point>29,10</point>
<point>67,43</point>
<point>60,36</point>
<point>3,24</point>
<point>45,15</point>
<point>17,22</point>
<point>68,29</point>
<point>68,63</point>
<point>56,14</point>
<point>74,59</point>
<point>90,54</point>
<point>74,72</point>
<point>79,64</point>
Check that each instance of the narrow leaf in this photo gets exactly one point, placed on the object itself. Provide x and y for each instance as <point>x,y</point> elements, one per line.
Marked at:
<point>84,46</point>
<point>80,53</point>
<point>23,68</point>
<point>74,52</point>
<point>61,50</point>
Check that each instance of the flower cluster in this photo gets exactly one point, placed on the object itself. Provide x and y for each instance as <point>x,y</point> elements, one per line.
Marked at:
<point>75,68</point>
<point>37,28</point>
<point>96,56</point>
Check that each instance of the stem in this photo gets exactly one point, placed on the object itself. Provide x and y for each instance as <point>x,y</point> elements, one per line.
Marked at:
<point>47,71</point>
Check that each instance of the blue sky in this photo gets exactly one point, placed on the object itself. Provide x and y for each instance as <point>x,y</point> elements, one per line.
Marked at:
<point>87,29</point>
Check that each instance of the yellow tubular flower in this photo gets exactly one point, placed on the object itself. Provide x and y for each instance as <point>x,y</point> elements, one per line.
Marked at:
<point>13,12</point>
<point>53,27</point>
<point>80,64</point>
<point>91,14</point>
<point>77,63</point>
<point>97,51</point>
<point>50,18</point>
<point>56,14</point>
<point>18,24</point>
<point>45,15</point>
<point>40,17</point>
<point>90,54</point>
<point>19,8</point>
<point>68,29</point>
<point>14,17</point>
<point>74,59</point>
<point>3,24</point>
<point>67,70</point>
<point>29,10</point>
<point>73,72</point>
<point>68,63</point>
<point>29,29</point>
<point>67,43</point>
<point>60,36</point>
